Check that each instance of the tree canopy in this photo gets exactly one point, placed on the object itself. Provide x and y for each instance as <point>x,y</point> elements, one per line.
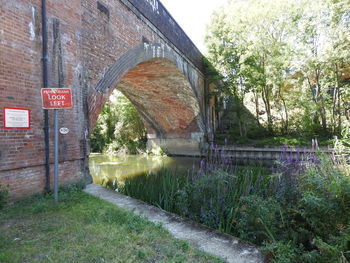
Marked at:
<point>287,61</point>
<point>119,127</point>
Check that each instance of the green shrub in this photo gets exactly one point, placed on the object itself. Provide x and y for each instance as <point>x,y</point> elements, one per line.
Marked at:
<point>119,128</point>
<point>3,195</point>
<point>258,219</point>
<point>280,252</point>
<point>209,198</point>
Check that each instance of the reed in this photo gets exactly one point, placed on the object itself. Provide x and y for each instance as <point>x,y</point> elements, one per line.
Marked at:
<point>298,210</point>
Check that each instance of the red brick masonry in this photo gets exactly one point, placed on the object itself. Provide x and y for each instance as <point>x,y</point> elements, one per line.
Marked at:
<point>94,47</point>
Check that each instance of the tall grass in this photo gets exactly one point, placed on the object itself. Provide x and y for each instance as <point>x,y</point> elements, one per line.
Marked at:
<point>3,195</point>
<point>210,194</point>
<point>211,199</point>
<point>157,188</point>
<point>299,210</point>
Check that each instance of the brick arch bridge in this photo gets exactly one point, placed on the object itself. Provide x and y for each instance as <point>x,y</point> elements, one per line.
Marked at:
<point>165,89</point>
<point>93,48</point>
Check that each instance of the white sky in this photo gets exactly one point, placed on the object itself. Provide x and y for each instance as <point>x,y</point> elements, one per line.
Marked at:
<point>193,16</point>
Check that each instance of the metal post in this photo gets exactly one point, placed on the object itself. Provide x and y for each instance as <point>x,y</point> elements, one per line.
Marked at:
<point>45,84</point>
<point>56,155</point>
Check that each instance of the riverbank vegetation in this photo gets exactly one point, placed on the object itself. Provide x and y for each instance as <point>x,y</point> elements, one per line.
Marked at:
<point>82,228</point>
<point>285,65</point>
<point>3,195</point>
<point>297,211</point>
<point>119,128</point>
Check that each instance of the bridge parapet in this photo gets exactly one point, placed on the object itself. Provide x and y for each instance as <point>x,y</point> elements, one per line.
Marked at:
<point>159,16</point>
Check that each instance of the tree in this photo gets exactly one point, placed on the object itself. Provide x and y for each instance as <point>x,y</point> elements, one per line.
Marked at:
<point>119,127</point>
<point>282,52</point>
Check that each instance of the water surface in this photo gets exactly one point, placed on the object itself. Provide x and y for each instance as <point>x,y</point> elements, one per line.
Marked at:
<point>108,168</point>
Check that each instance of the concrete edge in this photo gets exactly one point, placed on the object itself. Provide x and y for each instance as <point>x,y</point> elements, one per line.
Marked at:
<point>227,247</point>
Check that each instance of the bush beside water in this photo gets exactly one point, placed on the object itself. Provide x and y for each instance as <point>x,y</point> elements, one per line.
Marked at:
<point>299,211</point>
<point>3,195</point>
<point>119,128</point>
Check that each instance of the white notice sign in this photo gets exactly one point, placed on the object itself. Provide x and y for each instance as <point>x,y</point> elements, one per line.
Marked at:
<point>16,118</point>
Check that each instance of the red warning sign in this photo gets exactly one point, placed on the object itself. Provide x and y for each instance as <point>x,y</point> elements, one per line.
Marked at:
<point>56,98</point>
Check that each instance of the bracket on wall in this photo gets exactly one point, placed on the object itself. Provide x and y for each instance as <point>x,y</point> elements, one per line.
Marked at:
<point>104,9</point>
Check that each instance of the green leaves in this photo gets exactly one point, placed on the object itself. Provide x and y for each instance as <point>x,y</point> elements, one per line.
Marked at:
<point>290,55</point>
<point>3,195</point>
<point>118,127</point>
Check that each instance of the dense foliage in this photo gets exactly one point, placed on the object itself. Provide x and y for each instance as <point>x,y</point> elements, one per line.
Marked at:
<point>119,127</point>
<point>298,211</point>
<point>3,195</point>
<point>286,61</point>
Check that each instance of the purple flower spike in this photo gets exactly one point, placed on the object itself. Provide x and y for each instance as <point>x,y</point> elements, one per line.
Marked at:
<point>202,164</point>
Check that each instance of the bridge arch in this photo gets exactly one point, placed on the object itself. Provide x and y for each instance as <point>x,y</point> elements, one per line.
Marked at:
<point>164,89</point>
<point>94,48</point>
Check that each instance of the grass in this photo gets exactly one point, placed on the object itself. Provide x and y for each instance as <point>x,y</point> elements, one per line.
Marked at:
<point>82,228</point>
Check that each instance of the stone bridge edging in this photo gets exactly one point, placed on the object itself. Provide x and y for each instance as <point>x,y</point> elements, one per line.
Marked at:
<point>160,21</point>
<point>142,53</point>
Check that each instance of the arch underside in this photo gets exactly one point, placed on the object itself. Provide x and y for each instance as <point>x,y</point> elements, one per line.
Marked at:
<point>164,98</point>
<point>163,86</point>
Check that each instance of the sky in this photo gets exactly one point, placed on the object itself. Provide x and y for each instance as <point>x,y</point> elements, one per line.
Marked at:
<point>193,16</point>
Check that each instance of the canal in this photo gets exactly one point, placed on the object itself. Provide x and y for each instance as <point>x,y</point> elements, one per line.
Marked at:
<point>109,168</point>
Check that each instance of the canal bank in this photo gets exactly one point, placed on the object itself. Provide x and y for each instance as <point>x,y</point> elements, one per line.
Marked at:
<point>231,249</point>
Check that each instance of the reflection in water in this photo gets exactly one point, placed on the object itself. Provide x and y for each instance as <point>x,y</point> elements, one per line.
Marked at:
<point>109,168</point>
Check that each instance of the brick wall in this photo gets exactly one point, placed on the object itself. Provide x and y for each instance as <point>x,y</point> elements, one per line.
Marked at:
<point>86,40</point>
<point>22,152</point>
